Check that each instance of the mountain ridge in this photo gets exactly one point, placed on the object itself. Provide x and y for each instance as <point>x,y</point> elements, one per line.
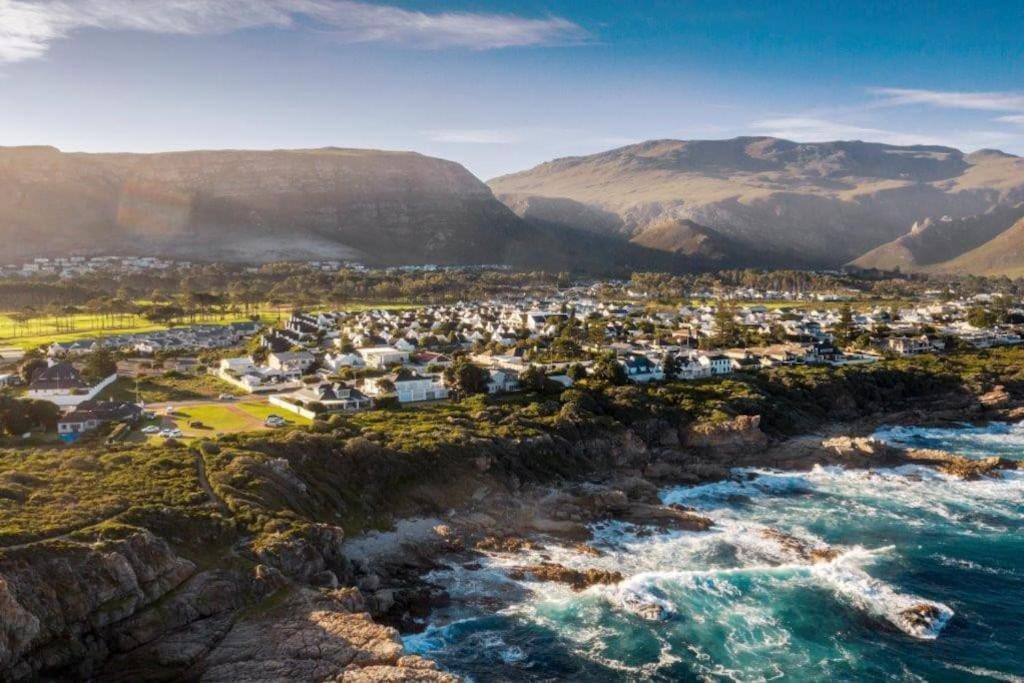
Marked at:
<point>823,204</point>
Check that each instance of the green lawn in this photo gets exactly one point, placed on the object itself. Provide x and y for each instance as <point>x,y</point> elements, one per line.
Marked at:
<point>229,417</point>
<point>45,329</point>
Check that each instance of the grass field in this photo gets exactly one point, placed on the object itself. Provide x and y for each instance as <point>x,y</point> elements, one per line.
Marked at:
<point>229,417</point>
<point>163,389</point>
<point>46,330</point>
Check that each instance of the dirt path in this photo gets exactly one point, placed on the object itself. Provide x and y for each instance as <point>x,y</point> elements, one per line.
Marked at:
<point>204,483</point>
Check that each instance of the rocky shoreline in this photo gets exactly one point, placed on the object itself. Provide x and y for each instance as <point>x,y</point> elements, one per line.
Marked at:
<point>528,521</point>
<point>119,604</point>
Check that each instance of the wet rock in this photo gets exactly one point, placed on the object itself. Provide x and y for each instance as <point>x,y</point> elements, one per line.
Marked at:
<point>921,616</point>
<point>587,549</point>
<point>801,550</point>
<point>577,579</point>
<point>972,470</point>
<point>664,517</point>
<point>506,544</point>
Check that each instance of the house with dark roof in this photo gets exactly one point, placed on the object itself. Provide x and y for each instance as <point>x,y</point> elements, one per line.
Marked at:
<point>89,415</point>
<point>62,384</point>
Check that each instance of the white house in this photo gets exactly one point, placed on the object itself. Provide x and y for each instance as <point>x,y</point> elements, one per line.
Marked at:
<point>381,357</point>
<point>410,389</point>
<point>501,382</point>
<point>291,361</point>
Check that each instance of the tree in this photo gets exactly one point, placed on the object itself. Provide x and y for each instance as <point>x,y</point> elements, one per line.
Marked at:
<point>982,317</point>
<point>608,369</point>
<point>577,372</point>
<point>670,366</point>
<point>466,378</point>
<point>844,329</point>
<point>99,364</point>
<point>30,367</point>
<point>727,331</point>
<point>532,378</point>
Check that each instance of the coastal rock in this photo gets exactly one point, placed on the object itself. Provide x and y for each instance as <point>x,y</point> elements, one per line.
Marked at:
<point>997,397</point>
<point>798,548</point>
<point>506,544</point>
<point>306,555</point>
<point>972,470</point>
<point>59,603</point>
<point>309,639</point>
<point>577,579</point>
<point>665,517</point>
<point>742,432</point>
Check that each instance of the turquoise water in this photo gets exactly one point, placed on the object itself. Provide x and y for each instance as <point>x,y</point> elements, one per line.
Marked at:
<point>742,603</point>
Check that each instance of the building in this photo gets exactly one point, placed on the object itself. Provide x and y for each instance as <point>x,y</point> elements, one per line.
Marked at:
<point>89,415</point>
<point>639,368</point>
<point>381,357</point>
<point>410,388</point>
<point>62,384</point>
<point>332,397</point>
<point>908,346</point>
<point>290,362</point>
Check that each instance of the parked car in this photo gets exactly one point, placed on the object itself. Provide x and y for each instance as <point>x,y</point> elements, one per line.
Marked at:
<point>274,421</point>
<point>151,429</point>
<point>226,397</point>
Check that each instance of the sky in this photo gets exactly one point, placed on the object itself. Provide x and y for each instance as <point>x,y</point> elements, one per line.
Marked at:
<point>500,86</point>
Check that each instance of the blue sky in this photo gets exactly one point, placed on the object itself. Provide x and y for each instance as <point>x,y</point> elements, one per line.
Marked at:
<point>500,86</point>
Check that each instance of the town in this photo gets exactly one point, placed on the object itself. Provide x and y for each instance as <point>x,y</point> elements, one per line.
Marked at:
<point>194,380</point>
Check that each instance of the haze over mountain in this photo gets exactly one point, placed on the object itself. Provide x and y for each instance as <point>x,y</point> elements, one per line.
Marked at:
<point>666,204</point>
<point>818,204</point>
<point>373,206</point>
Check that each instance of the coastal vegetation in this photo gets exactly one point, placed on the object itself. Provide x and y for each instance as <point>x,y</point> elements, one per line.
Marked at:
<point>360,468</point>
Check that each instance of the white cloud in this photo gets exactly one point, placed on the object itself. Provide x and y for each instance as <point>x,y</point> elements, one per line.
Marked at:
<point>28,27</point>
<point>1016,119</point>
<point>805,129</point>
<point>479,136</point>
<point>977,101</point>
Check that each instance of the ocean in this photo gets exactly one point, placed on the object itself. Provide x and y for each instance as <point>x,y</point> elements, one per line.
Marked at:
<point>746,602</point>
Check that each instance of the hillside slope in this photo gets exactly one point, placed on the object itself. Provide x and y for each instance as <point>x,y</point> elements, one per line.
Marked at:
<point>381,207</point>
<point>821,203</point>
<point>1003,255</point>
<point>933,241</point>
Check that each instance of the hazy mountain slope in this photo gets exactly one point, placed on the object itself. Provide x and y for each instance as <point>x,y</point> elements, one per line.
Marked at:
<point>933,241</point>
<point>686,237</point>
<point>564,212</point>
<point>388,207</point>
<point>826,203</point>
<point>1003,255</point>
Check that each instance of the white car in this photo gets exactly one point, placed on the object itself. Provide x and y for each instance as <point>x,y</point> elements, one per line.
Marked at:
<point>151,429</point>
<point>274,421</point>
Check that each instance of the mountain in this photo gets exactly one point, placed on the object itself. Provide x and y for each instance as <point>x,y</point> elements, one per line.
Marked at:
<point>384,208</point>
<point>1002,255</point>
<point>818,204</point>
<point>388,207</point>
<point>934,241</point>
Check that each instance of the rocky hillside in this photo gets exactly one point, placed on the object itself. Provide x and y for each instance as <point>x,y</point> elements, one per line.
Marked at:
<point>820,204</point>
<point>1002,255</point>
<point>380,207</point>
<point>934,241</point>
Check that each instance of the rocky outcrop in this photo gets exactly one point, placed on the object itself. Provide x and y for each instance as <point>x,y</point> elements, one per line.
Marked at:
<point>65,605</point>
<point>577,579</point>
<point>313,637</point>
<point>741,433</point>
